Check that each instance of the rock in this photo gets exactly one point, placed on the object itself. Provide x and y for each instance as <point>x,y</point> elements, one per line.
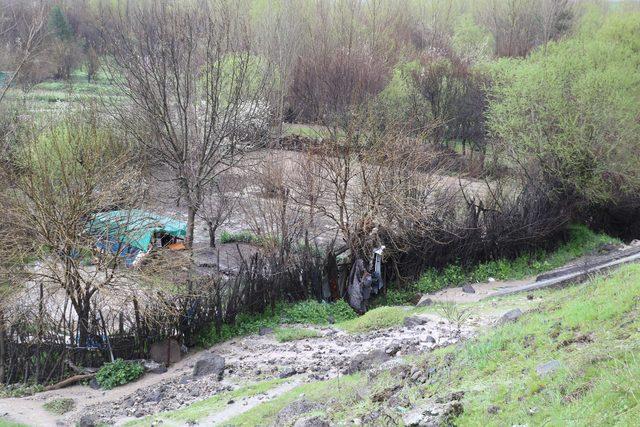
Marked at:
<point>395,366</point>
<point>491,280</point>
<point>287,372</point>
<point>393,348</point>
<point>413,418</point>
<point>365,361</point>
<point>412,321</point>
<point>493,409</point>
<point>432,414</point>
<point>209,364</point>
<point>166,352</point>
<point>510,316</point>
<point>154,367</point>
<point>424,301</point>
<point>88,420</point>
<point>331,319</point>
<point>468,289</point>
<point>548,368</point>
<point>265,331</point>
<point>94,384</point>
<point>153,397</point>
<point>430,339</point>
<point>295,410</point>
<point>311,422</point>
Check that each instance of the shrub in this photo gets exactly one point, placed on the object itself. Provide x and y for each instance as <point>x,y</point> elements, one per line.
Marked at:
<point>118,373</point>
<point>239,237</point>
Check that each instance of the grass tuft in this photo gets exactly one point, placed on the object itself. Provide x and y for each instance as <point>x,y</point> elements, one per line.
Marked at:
<point>378,318</point>
<point>295,334</point>
<point>60,406</point>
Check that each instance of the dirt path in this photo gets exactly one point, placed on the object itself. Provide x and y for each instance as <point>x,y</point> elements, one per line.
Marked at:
<point>482,291</point>
<point>30,411</point>
<point>574,271</point>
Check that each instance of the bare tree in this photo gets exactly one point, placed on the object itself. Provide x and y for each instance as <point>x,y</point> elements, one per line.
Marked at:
<point>220,201</point>
<point>193,86</point>
<point>23,32</point>
<point>69,173</point>
<point>25,29</point>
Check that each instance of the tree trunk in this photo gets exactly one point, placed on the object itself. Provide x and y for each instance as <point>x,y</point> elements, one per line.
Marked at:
<point>83,309</point>
<point>191,219</point>
<point>2,347</point>
<point>212,234</point>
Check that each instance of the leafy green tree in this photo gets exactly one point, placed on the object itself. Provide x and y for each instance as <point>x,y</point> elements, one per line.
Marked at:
<point>60,24</point>
<point>471,41</point>
<point>570,111</point>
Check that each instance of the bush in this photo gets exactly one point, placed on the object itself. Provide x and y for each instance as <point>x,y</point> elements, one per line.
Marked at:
<point>118,373</point>
<point>239,237</point>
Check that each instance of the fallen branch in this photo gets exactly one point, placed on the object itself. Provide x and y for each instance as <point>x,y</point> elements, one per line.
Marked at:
<point>64,383</point>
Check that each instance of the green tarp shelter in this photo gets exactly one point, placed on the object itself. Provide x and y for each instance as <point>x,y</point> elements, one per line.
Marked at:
<point>135,228</point>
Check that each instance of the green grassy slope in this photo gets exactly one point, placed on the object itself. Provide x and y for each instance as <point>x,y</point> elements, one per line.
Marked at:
<point>592,330</point>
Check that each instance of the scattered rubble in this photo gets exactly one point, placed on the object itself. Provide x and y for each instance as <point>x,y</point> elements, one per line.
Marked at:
<point>436,412</point>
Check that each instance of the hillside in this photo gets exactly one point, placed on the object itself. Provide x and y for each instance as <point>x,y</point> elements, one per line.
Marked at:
<point>562,357</point>
<point>569,360</point>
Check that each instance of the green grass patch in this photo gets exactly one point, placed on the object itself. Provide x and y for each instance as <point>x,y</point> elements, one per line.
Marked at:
<point>305,312</point>
<point>592,330</point>
<point>378,318</point>
<point>204,408</point>
<point>308,131</point>
<point>295,334</point>
<point>240,237</point>
<point>7,423</point>
<point>60,406</point>
<point>343,391</point>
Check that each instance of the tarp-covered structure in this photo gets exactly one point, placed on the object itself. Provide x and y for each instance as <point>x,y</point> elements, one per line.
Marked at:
<point>135,229</point>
